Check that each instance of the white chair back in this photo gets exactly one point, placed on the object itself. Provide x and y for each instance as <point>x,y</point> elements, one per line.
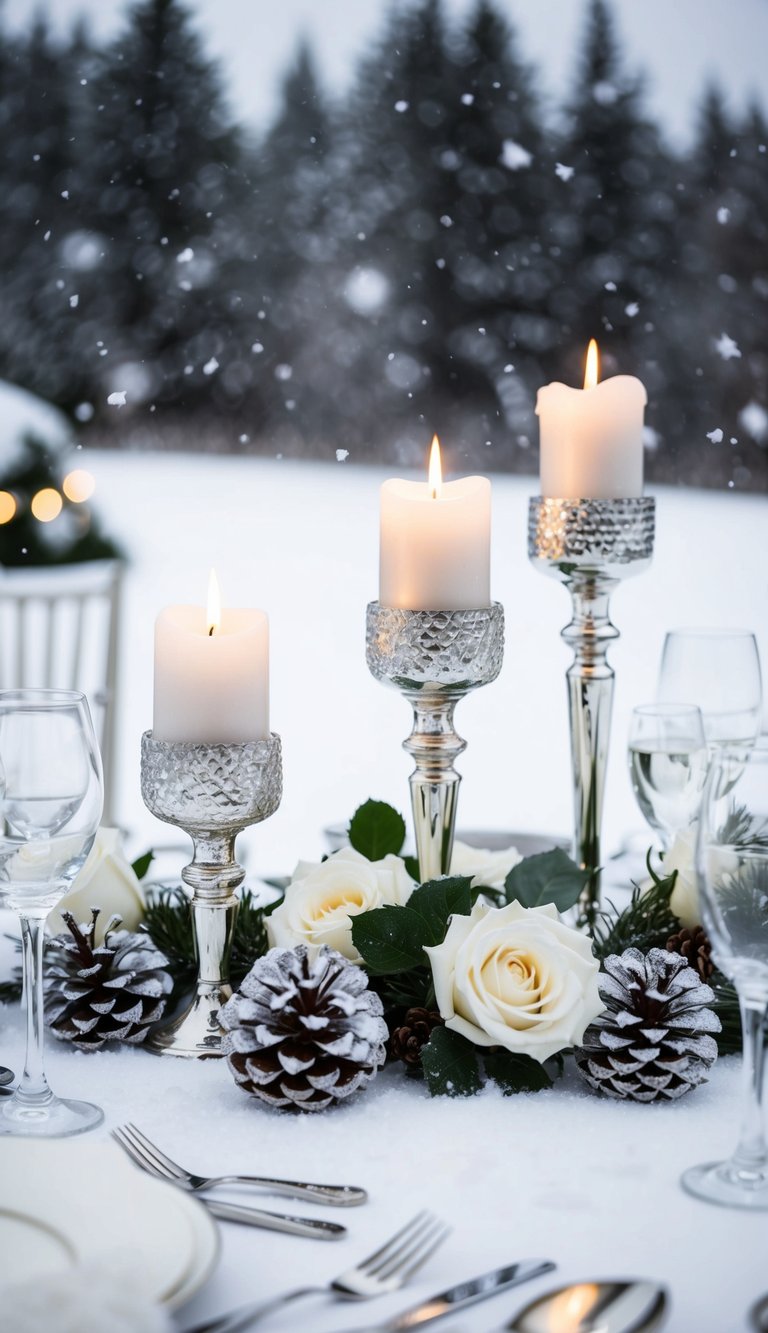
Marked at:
<point>59,629</point>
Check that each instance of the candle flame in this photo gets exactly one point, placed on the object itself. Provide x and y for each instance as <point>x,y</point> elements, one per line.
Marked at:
<point>592,372</point>
<point>213,615</point>
<point>435,469</point>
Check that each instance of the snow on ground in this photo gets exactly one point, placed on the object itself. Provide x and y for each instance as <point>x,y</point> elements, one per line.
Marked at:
<point>300,540</point>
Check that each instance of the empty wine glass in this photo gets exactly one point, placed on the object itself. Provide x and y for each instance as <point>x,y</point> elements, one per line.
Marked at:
<point>50,802</point>
<point>719,670</point>
<point>667,765</point>
<point>732,874</point>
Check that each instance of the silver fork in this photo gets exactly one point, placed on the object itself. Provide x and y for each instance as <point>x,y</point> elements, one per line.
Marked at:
<point>343,1196</point>
<point>311,1227</point>
<point>386,1270</point>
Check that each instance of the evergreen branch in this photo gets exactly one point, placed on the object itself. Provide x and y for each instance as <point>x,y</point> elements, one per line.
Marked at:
<point>168,921</point>
<point>646,923</point>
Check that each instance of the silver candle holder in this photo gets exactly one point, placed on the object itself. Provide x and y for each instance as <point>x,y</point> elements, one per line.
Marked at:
<point>434,658</point>
<point>590,545</point>
<point>212,792</point>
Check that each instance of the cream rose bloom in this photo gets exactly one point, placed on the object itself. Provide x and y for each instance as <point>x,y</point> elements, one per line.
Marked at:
<point>488,869</point>
<point>516,977</point>
<point>322,899</point>
<point>106,881</point>
<point>685,895</point>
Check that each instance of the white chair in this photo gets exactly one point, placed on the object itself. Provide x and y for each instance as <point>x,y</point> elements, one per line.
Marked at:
<point>59,629</point>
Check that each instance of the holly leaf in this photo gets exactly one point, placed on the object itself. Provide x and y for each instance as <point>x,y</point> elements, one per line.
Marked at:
<point>438,899</point>
<point>376,830</point>
<point>412,866</point>
<point>450,1065</point>
<point>142,863</point>
<point>388,939</point>
<point>549,877</point>
<point>516,1073</point>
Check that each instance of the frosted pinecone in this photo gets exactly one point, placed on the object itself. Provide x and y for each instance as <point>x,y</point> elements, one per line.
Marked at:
<point>304,1030</point>
<point>112,993</point>
<point>652,1042</point>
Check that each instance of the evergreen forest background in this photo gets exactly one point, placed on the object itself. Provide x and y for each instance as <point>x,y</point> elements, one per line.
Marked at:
<point>420,255</point>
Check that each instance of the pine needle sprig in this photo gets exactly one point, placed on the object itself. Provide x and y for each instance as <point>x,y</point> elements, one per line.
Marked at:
<point>169,922</point>
<point>646,923</point>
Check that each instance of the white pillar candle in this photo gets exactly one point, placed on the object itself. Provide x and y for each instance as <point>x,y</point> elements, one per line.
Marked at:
<point>435,552</point>
<point>211,674</point>
<point>592,438</point>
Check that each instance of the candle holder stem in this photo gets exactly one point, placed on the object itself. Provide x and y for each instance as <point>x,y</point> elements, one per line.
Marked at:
<point>434,745</point>
<point>590,703</point>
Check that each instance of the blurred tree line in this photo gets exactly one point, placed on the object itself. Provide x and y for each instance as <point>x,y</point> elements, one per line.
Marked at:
<point>421,255</point>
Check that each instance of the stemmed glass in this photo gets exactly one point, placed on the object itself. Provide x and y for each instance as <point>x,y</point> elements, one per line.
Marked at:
<point>719,670</point>
<point>667,765</point>
<point>51,795</point>
<point>732,873</point>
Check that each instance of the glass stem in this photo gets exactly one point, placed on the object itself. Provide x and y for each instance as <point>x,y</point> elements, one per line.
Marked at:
<point>33,1089</point>
<point>751,1155</point>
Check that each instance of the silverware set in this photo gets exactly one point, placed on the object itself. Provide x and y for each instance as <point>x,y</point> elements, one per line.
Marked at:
<point>608,1306</point>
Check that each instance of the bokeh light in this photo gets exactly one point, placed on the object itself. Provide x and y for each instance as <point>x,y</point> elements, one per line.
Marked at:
<point>79,485</point>
<point>7,506</point>
<point>46,504</point>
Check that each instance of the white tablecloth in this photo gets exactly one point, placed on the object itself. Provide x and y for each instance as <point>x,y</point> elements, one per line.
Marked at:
<point>561,1175</point>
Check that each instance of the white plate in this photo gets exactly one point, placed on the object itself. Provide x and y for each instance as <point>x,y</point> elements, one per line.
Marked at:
<point>91,1196</point>
<point>30,1249</point>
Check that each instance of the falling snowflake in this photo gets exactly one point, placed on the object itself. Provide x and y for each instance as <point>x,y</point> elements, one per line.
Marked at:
<point>117,399</point>
<point>467,98</point>
<point>401,106</point>
<point>564,172</point>
<point>73,301</point>
<point>186,256</point>
<point>632,309</point>
<point>342,455</point>
<point>754,419</point>
<point>211,366</point>
<point>283,371</point>
<point>446,221</point>
<point>514,156</point>
<point>723,215</point>
<point>726,347</point>
<point>257,347</point>
<point>604,93</point>
<point>715,436</point>
<point>610,286</point>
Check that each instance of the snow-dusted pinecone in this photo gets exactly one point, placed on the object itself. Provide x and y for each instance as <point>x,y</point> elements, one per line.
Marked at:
<point>112,993</point>
<point>652,1042</point>
<point>695,947</point>
<point>304,1032</point>
<point>407,1041</point>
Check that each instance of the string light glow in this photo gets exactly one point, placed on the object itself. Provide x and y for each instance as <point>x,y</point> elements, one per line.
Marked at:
<point>46,505</point>
<point>7,506</point>
<point>79,485</point>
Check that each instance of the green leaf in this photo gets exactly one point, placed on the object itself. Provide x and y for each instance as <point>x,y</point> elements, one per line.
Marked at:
<point>516,1073</point>
<point>450,1065</point>
<point>549,877</point>
<point>438,899</point>
<point>142,863</point>
<point>412,866</point>
<point>388,939</point>
<point>376,830</point>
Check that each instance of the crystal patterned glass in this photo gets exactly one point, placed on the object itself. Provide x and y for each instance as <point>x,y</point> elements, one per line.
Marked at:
<point>719,670</point>
<point>50,804</point>
<point>732,873</point>
<point>667,765</point>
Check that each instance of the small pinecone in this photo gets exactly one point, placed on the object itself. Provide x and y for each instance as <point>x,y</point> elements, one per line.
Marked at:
<point>652,1041</point>
<point>303,1032</point>
<point>112,993</point>
<point>695,947</point>
<point>406,1041</point>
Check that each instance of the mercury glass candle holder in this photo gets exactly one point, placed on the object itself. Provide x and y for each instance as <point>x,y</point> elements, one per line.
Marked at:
<point>434,658</point>
<point>590,545</point>
<point>212,792</point>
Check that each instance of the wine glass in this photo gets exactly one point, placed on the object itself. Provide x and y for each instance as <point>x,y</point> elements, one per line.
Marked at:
<point>50,802</point>
<point>667,765</point>
<point>732,873</point>
<point>719,670</point>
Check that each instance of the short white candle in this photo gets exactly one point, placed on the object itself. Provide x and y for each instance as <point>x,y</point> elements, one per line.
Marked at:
<point>211,674</point>
<point>592,438</point>
<point>435,552</point>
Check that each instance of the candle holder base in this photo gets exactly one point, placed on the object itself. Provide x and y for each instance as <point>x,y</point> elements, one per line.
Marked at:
<point>590,545</point>
<point>212,792</point>
<point>434,658</point>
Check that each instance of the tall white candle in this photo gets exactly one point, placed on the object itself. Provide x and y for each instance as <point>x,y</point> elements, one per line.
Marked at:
<point>435,542</point>
<point>211,674</point>
<point>592,438</point>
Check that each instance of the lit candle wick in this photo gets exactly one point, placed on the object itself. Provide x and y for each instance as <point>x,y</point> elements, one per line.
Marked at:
<point>213,616</point>
<point>435,469</point>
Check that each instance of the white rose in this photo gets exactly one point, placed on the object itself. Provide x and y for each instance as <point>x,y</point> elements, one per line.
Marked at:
<point>321,900</point>
<point>488,869</point>
<point>685,895</point>
<point>106,881</point>
<point>516,977</point>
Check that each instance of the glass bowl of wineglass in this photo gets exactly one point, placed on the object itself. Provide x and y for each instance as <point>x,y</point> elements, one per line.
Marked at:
<point>719,670</point>
<point>732,875</point>
<point>667,765</point>
<point>51,794</point>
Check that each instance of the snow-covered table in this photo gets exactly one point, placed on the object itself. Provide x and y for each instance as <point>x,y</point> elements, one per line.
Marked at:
<point>589,1184</point>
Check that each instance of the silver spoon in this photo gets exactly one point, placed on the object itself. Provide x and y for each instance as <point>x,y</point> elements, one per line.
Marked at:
<point>595,1307</point>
